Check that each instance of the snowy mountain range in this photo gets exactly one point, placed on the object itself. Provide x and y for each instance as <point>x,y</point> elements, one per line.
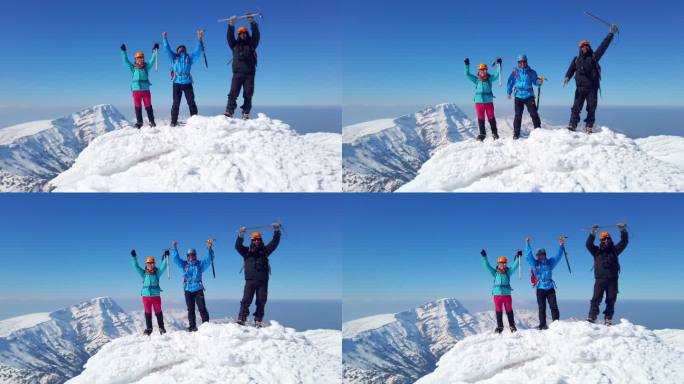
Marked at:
<point>33,153</point>
<point>400,348</point>
<point>389,155</point>
<point>50,348</point>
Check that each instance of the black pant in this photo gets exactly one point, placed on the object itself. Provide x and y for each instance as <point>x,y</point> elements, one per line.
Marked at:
<point>610,287</point>
<point>544,295</point>
<point>520,105</point>
<point>246,82</point>
<point>260,287</point>
<point>178,90</point>
<point>591,97</point>
<point>192,298</point>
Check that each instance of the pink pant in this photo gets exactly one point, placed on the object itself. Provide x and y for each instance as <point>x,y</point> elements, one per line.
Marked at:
<point>152,301</point>
<point>140,97</point>
<point>484,108</point>
<point>504,301</point>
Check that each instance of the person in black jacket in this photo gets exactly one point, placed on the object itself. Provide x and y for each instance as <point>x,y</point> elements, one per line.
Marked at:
<point>606,271</point>
<point>257,271</point>
<point>587,71</point>
<point>244,65</point>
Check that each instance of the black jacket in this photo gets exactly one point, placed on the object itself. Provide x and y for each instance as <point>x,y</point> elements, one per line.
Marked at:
<point>244,52</point>
<point>586,66</point>
<point>256,262</point>
<point>606,262</point>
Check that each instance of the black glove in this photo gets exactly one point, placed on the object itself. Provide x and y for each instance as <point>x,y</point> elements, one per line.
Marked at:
<point>622,227</point>
<point>133,253</point>
<point>466,61</point>
<point>276,226</point>
<point>123,47</point>
<point>519,253</point>
<point>242,232</point>
<point>594,229</point>
<point>498,60</point>
<point>483,253</point>
<point>166,253</point>
<point>613,28</point>
<point>156,46</point>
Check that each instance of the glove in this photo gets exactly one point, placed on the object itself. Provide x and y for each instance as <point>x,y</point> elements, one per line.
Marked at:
<point>562,241</point>
<point>466,61</point>
<point>276,226</point>
<point>242,232</point>
<point>621,227</point>
<point>231,21</point>
<point>156,46</point>
<point>133,253</point>
<point>594,229</point>
<point>199,35</point>
<point>166,253</point>
<point>164,34</point>
<point>565,81</point>
<point>519,253</point>
<point>498,60</point>
<point>483,253</point>
<point>210,242</point>
<point>123,47</point>
<point>250,18</point>
<point>613,28</point>
<point>174,244</point>
<point>540,80</point>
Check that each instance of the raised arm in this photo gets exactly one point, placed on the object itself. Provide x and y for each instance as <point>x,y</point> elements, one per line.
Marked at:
<point>176,258</point>
<point>164,264</point>
<point>207,260</point>
<point>488,267</point>
<point>124,58</point>
<point>593,249</point>
<point>516,264</point>
<point>598,54</point>
<point>469,75</point>
<point>167,48</point>
<point>256,35</point>
<point>197,53</point>
<point>230,36</point>
<point>239,247</point>
<point>528,255</point>
<point>624,240</point>
<point>136,266</point>
<point>559,256</point>
<point>273,244</point>
<point>150,65</point>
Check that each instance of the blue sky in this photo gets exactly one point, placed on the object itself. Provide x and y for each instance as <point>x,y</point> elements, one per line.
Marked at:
<point>426,246</point>
<point>412,52</point>
<point>66,53</point>
<point>73,247</point>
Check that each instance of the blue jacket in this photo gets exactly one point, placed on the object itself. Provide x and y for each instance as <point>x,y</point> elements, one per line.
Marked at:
<point>543,270</point>
<point>192,271</point>
<point>523,83</point>
<point>502,280</point>
<point>182,64</point>
<point>150,282</point>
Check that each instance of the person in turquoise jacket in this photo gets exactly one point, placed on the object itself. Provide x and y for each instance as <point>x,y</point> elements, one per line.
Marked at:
<point>192,282</point>
<point>541,269</point>
<point>484,97</point>
<point>502,288</point>
<point>180,74</point>
<point>151,292</point>
<point>141,83</point>
<point>521,82</point>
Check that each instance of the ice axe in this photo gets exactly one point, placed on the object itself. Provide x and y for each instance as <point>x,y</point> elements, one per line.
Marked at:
<point>210,243</point>
<point>600,20</point>
<point>245,16</point>
<point>565,253</point>
<point>539,91</point>
<point>500,70</point>
<point>202,45</point>
<point>168,267</point>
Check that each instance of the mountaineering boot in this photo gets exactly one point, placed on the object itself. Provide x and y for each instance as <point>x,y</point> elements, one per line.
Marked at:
<point>608,321</point>
<point>492,126</point>
<point>483,133</point>
<point>511,321</point>
<point>258,323</point>
<point>542,327</point>
<point>192,329</point>
<point>160,323</point>
<point>499,322</point>
<point>138,118</point>
<point>245,115</point>
<point>150,116</point>
<point>240,321</point>
<point>588,128</point>
<point>228,113</point>
<point>148,324</point>
<point>572,127</point>
<point>591,319</point>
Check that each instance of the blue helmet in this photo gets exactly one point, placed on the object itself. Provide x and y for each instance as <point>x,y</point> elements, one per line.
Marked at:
<point>541,251</point>
<point>192,251</point>
<point>521,57</point>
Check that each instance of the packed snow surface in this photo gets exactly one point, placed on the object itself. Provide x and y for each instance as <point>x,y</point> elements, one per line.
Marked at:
<point>573,352</point>
<point>208,154</point>
<point>553,160</point>
<point>216,353</point>
<point>669,149</point>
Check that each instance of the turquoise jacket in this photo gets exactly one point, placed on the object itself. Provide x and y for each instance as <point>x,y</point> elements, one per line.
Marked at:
<point>502,280</point>
<point>141,76</point>
<point>543,270</point>
<point>192,271</point>
<point>150,282</point>
<point>182,64</point>
<point>483,89</point>
<point>522,81</point>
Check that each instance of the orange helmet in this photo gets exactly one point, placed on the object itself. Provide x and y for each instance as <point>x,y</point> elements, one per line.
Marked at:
<point>139,55</point>
<point>149,259</point>
<point>242,29</point>
<point>481,67</point>
<point>255,235</point>
<point>603,235</point>
<point>502,259</point>
<point>583,43</point>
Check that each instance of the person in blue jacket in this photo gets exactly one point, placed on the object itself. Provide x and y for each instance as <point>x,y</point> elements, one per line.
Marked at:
<point>521,83</point>
<point>180,73</point>
<point>502,288</point>
<point>542,278</point>
<point>192,282</point>
<point>151,292</point>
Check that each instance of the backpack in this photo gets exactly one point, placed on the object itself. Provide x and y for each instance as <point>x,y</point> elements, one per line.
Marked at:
<point>597,66</point>
<point>533,277</point>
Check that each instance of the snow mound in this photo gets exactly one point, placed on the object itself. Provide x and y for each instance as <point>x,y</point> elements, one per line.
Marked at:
<point>208,154</point>
<point>669,149</point>
<point>554,160</point>
<point>216,353</point>
<point>569,352</point>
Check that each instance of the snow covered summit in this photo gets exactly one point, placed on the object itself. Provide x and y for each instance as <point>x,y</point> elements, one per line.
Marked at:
<point>219,353</point>
<point>208,154</point>
<point>33,153</point>
<point>568,352</point>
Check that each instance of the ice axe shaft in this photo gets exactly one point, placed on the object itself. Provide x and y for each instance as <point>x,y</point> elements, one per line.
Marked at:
<point>204,53</point>
<point>597,18</point>
<point>156,60</point>
<point>565,253</point>
<point>245,16</point>
<point>210,243</point>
